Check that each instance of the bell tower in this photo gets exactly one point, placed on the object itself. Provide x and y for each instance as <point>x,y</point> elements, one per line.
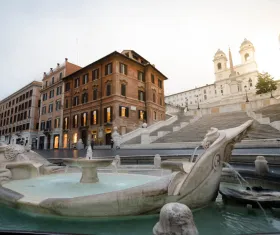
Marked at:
<point>220,64</point>
<point>247,52</point>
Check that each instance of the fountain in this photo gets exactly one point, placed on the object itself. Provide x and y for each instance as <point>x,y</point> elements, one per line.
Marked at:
<point>93,194</point>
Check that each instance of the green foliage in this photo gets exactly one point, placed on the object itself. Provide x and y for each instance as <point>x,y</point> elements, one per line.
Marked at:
<point>265,84</point>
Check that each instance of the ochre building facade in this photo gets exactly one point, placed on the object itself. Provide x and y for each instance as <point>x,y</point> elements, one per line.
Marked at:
<point>120,90</point>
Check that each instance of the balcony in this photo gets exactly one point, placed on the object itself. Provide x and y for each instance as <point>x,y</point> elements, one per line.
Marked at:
<point>47,132</point>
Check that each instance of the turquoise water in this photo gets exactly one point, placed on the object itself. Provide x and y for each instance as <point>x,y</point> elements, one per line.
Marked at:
<point>68,185</point>
<point>213,220</point>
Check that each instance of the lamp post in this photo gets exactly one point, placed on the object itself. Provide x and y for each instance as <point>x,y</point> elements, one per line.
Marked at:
<point>197,102</point>
<point>187,104</point>
<point>247,100</point>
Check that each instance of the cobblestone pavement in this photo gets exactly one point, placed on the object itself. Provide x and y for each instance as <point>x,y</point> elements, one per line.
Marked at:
<point>149,152</point>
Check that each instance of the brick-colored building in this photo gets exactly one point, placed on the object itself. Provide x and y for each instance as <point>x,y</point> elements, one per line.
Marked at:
<point>19,115</point>
<point>119,90</point>
<point>52,97</point>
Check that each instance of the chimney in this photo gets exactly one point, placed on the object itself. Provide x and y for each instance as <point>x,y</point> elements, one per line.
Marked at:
<point>45,74</point>
<point>57,64</point>
<point>51,69</point>
<point>66,59</point>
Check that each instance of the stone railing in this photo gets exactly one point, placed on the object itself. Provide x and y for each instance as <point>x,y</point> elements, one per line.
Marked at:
<point>154,127</point>
<point>263,120</point>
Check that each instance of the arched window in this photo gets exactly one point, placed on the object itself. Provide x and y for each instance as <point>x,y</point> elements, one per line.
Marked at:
<point>219,65</point>
<point>250,82</point>
<point>247,57</point>
<point>108,89</point>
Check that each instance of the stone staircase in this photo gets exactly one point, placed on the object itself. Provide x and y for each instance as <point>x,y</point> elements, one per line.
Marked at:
<point>272,111</point>
<point>181,122</point>
<point>195,132</point>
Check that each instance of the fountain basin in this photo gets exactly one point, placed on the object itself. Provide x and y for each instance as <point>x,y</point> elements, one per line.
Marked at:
<point>38,189</point>
<point>89,167</point>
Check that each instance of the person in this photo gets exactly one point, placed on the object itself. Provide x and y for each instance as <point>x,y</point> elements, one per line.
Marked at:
<point>112,143</point>
<point>92,144</point>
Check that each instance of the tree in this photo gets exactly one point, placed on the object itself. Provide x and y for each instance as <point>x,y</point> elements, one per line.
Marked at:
<point>265,84</point>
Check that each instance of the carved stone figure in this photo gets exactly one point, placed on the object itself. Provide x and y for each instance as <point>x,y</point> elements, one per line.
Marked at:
<point>261,165</point>
<point>175,219</point>
<point>116,137</point>
<point>210,137</point>
<point>157,161</point>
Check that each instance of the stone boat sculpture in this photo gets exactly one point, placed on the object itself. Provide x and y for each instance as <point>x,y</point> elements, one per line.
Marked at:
<point>194,184</point>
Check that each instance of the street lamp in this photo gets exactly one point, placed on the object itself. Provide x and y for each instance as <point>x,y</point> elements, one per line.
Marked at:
<point>247,100</point>
<point>187,104</point>
<point>197,102</point>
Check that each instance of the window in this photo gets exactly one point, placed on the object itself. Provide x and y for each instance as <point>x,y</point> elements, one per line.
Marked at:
<point>76,82</point>
<point>46,84</point>
<point>59,90</point>
<point>66,103</point>
<point>50,108</point>
<point>95,74</point>
<point>75,121</point>
<point>75,138</point>
<point>65,123</point>
<point>25,115</point>
<point>94,117</point>
<point>247,57</point>
<point>57,105</point>
<point>49,124</point>
<point>123,89</point>
<point>250,82</point>
<point>76,101</point>
<point>95,94</point>
<point>141,115</point>
<point>60,76</point>
<point>155,115</point>
<point>108,69</point>
<point>30,92</point>
<point>141,95</point>
<point>67,86</point>
<point>141,76</point>
<point>153,78</point>
<point>108,89</point>
<point>123,111</point>
<point>154,97</point>
<point>51,94</point>
<point>57,123</point>
<point>44,110</point>
<point>219,66</point>
<point>160,101</point>
<point>85,79</point>
<point>123,68</point>
<point>45,96</point>
<point>205,97</point>
<point>42,127</point>
<point>84,119</point>
<point>52,80</point>
<point>108,114</point>
<point>84,98</point>
<point>159,83</point>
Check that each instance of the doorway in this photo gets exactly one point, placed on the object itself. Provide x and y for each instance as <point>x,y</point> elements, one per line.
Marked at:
<point>84,137</point>
<point>65,140</point>
<point>49,142</point>
<point>41,142</point>
<point>108,136</point>
<point>56,142</point>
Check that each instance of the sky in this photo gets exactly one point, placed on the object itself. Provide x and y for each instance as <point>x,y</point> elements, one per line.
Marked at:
<point>179,37</point>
